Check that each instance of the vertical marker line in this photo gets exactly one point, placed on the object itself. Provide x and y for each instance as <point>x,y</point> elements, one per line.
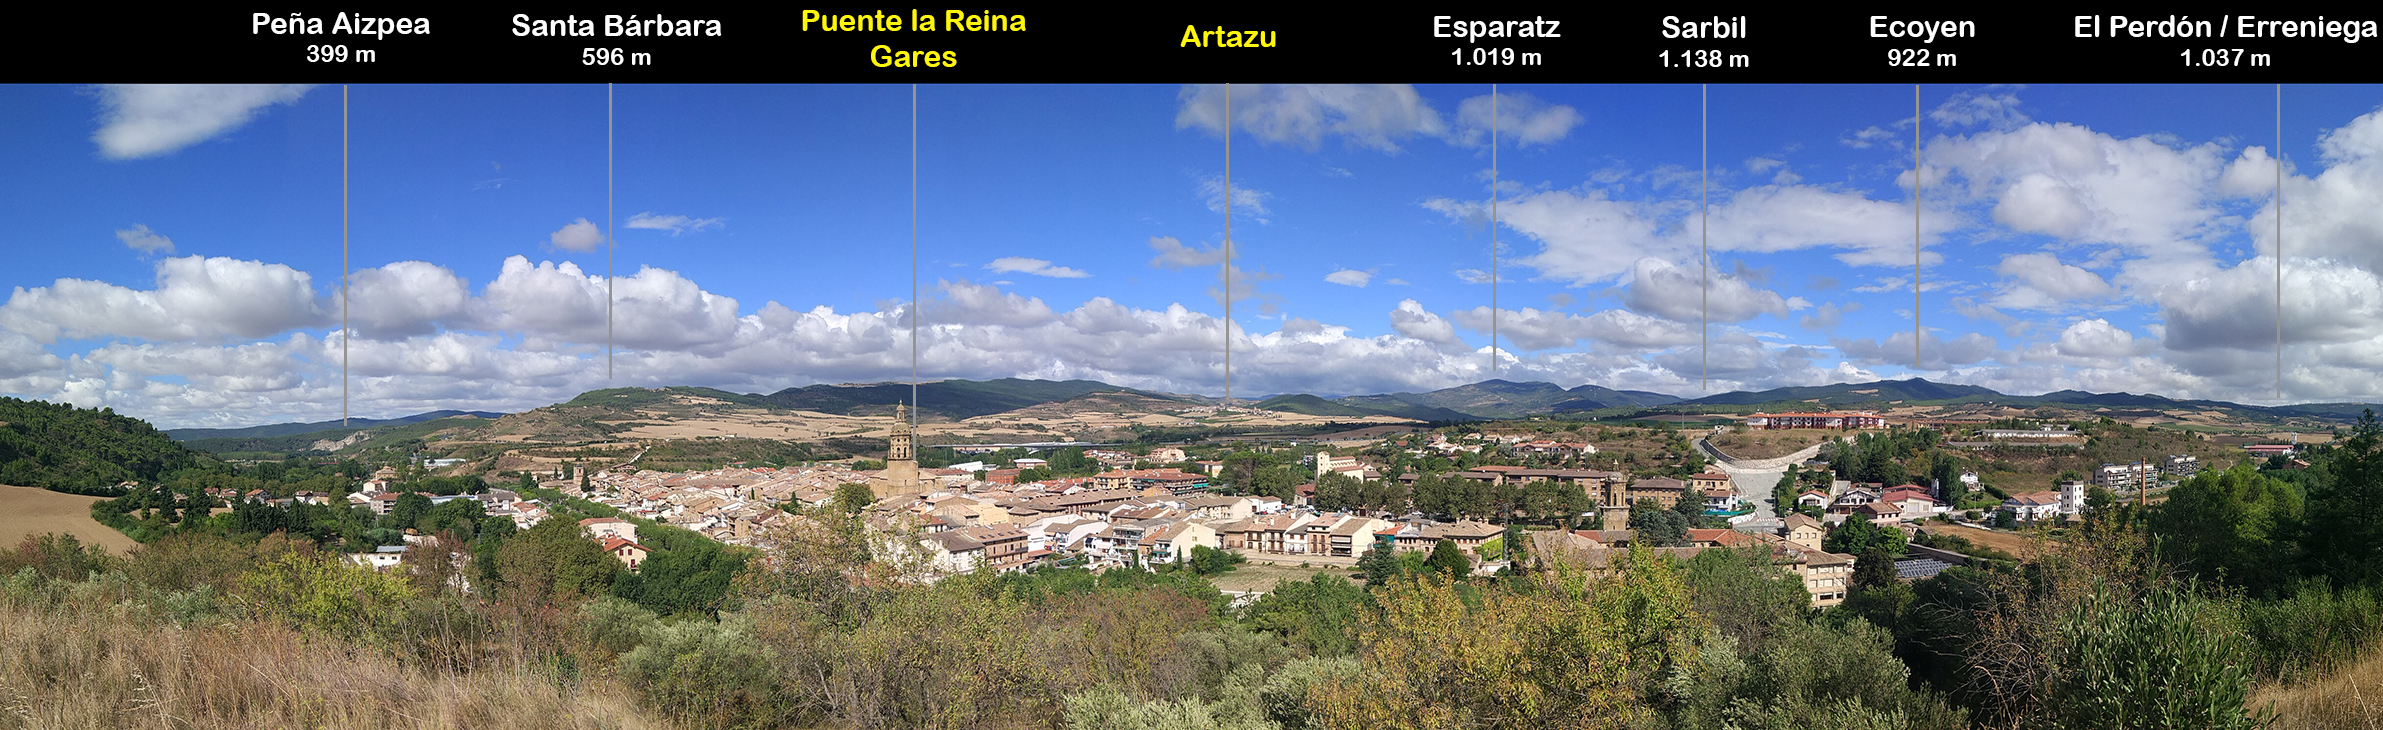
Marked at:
<point>914,258</point>
<point>1493,229</point>
<point>1915,226</point>
<point>344,274</point>
<point>1704,236</point>
<point>2279,241</point>
<point>1228,272</point>
<point>611,247</point>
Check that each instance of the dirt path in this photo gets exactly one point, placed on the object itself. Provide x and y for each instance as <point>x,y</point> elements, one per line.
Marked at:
<point>26,511</point>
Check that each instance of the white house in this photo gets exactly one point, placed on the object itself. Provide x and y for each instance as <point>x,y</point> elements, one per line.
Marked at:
<point>2032,506</point>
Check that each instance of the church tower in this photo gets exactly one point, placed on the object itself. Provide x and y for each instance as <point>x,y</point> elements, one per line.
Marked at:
<point>1613,511</point>
<point>901,459</point>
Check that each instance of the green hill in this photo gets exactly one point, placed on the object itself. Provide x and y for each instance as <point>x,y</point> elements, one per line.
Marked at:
<point>81,450</point>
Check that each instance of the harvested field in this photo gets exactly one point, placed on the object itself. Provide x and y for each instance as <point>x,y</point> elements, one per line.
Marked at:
<point>26,511</point>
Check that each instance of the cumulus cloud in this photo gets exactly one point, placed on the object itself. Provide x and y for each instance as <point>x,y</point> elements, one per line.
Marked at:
<point>1173,254</point>
<point>2096,338</point>
<point>1827,316</point>
<point>983,304</point>
<point>1678,293</point>
<point>403,299</point>
<point>534,336</point>
<point>1588,236</point>
<point>1411,320</point>
<point>1993,106</point>
<point>1933,353</point>
<point>148,120</point>
<point>578,235</point>
<point>141,239</point>
<point>1376,116</point>
<point>2042,282</point>
<point>2068,181</point>
<point>197,298</point>
<point>675,224</point>
<point>1350,277</point>
<point>1037,267</point>
<point>1522,120</point>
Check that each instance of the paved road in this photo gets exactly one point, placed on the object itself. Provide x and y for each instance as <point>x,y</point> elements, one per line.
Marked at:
<point>1754,479</point>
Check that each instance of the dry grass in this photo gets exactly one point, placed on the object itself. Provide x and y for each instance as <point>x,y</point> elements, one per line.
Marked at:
<point>1264,576</point>
<point>110,666</point>
<point>1770,444</point>
<point>2015,544</point>
<point>2348,697</point>
<point>26,511</point>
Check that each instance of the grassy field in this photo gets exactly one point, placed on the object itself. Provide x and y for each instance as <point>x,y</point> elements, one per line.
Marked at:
<point>1262,576</point>
<point>2015,544</point>
<point>25,511</point>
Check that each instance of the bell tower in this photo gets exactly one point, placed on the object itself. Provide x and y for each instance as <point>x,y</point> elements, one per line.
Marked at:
<point>901,459</point>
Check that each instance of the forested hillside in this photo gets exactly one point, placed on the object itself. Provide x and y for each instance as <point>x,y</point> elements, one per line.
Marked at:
<point>83,450</point>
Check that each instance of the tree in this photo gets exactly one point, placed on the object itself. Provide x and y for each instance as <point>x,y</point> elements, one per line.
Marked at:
<point>1859,536</point>
<point>1873,568</point>
<point>2345,508</point>
<point>2233,526</point>
<point>408,511</point>
<point>1657,527</point>
<point>850,498</point>
<point>1448,559</point>
<point>1378,566</point>
<point>1206,561</point>
<point>1744,595</point>
<point>555,563</point>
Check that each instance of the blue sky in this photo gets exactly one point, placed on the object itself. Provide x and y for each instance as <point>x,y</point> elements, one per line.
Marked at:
<point>177,254</point>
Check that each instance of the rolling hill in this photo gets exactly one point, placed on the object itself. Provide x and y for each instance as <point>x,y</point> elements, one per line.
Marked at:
<point>1491,399</point>
<point>954,399</point>
<point>1852,394</point>
<point>83,450</point>
<point>293,429</point>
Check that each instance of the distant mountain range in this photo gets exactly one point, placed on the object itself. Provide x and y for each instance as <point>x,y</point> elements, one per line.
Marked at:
<point>293,429</point>
<point>1488,399</point>
<point>1485,400</point>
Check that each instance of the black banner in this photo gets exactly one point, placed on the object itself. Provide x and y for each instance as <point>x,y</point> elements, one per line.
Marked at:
<point>1012,43</point>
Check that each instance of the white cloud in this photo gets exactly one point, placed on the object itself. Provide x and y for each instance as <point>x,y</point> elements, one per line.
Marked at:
<point>1984,107</point>
<point>147,120</point>
<point>654,309</point>
<point>1867,137</point>
<point>1037,267</point>
<point>403,299</point>
<point>1828,316</point>
<point>197,298</point>
<point>2074,183</point>
<point>578,235</point>
<point>675,224</point>
<point>1350,277</point>
<point>2096,338</point>
<point>1376,116</point>
<point>2045,283</point>
<point>141,239</point>
<point>964,303</point>
<point>1411,320</point>
<point>1173,254</point>
<point>1679,293</point>
<point>1934,353</point>
<point>1587,236</point>
<point>1249,203</point>
<point>1522,120</point>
